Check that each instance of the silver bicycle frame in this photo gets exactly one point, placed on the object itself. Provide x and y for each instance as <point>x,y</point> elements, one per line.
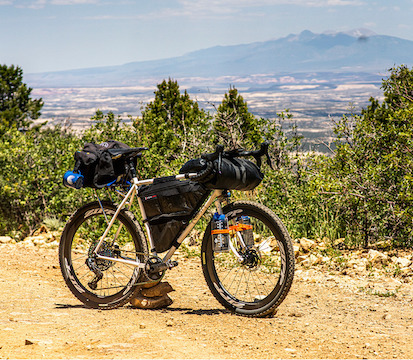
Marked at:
<point>131,195</point>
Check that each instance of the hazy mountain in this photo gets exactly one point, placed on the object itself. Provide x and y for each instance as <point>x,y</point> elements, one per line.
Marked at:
<point>359,51</point>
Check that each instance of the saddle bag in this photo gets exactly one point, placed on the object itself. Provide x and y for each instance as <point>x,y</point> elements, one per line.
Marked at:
<point>229,173</point>
<point>169,205</point>
<point>97,166</point>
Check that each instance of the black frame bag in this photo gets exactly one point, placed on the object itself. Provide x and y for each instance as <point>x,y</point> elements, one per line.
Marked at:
<point>169,205</point>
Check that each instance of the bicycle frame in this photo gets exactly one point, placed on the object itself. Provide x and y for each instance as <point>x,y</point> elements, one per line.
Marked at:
<point>131,196</point>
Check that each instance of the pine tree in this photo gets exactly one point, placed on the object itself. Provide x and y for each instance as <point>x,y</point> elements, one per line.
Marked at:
<point>16,106</point>
<point>170,120</point>
<point>234,124</point>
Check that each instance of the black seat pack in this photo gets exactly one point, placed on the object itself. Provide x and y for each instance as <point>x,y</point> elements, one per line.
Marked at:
<point>230,173</point>
<point>96,164</point>
<point>169,205</point>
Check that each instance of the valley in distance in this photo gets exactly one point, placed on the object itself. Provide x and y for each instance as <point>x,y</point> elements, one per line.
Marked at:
<point>314,99</point>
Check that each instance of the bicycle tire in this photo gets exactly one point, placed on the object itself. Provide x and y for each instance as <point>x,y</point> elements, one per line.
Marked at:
<point>80,236</point>
<point>256,286</point>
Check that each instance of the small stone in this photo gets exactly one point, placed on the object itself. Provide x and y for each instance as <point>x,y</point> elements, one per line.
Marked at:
<point>339,242</point>
<point>151,303</point>
<point>314,260</point>
<point>5,239</point>
<point>170,323</point>
<point>52,245</point>
<point>142,326</point>
<point>377,257</point>
<point>301,258</point>
<point>406,271</point>
<point>160,289</point>
<point>296,250</point>
<point>402,262</point>
<point>28,342</point>
<point>386,316</point>
<point>307,244</point>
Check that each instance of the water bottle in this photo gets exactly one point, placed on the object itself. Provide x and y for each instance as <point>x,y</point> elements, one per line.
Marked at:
<point>247,233</point>
<point>73,180</point>
<point>220,233</point>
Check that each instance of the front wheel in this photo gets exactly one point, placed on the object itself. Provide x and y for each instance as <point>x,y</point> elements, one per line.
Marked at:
<point>254,275</point>
<point>98,283</point>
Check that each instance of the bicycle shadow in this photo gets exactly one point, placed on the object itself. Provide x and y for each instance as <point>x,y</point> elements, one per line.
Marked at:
<point>71,306</point>
<point>186,311</point>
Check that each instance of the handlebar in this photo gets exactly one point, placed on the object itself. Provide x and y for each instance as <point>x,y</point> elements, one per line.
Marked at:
<point>257,154</point>
<point>219,153</point>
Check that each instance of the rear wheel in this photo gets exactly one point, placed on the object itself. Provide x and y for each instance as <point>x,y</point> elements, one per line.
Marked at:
<point>254,276</point>
<point>101,283</point>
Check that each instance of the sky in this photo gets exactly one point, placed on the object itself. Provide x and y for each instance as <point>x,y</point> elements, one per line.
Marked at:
<point>54,35</point>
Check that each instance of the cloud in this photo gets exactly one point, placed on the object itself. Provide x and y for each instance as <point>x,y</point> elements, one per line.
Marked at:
<point>213,4</point>
<point>404,26</point>
<point>73,2</point>
<point>39,4</point>
<point>230,8</point>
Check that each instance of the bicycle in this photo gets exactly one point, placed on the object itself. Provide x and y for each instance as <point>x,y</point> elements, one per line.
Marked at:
<point>105,257</point>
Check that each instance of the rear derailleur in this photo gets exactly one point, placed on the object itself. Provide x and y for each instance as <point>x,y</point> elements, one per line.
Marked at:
<point>98,265</point>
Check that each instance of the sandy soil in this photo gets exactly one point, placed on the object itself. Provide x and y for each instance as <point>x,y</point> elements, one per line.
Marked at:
<point>324,316</point>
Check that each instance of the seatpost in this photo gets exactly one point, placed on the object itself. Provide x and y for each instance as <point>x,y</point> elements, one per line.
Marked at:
<point>132,169</point>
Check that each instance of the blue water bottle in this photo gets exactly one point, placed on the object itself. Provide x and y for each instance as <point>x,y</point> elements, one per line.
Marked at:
<point>73,180</point>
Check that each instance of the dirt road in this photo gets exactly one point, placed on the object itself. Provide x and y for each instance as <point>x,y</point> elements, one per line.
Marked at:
<point>324,316</point>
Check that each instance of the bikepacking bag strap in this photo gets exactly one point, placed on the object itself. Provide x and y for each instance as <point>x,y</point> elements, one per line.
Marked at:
<point>96,164</point>
<point>228,173</point>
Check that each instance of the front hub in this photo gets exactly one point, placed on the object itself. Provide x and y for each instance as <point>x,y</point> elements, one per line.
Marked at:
<point>251,258</point>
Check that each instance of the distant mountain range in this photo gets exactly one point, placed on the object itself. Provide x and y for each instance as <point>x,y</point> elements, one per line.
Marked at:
<point>359,51</point>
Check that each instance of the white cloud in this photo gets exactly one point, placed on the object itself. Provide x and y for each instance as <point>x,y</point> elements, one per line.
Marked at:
<point>230,7</point>
<point>212,4</point>
<point>39,4</point>
<point>73,2</point>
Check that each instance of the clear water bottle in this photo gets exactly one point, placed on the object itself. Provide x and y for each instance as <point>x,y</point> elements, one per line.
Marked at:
<point>220,233</point>
<point>247,233</point>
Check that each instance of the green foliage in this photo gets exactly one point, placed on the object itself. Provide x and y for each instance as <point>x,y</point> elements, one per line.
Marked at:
<point>362,192</point>
<point>370,173</point>
<point>234,125</point>
<point>16,107</point>
<point>32,166</point>
<point>292,188</point>
<point>171,125</point>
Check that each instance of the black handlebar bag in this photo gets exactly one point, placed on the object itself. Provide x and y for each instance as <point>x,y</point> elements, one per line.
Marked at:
<point>169,205</point>
<point>235,174</point>
<point>229,173</point>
